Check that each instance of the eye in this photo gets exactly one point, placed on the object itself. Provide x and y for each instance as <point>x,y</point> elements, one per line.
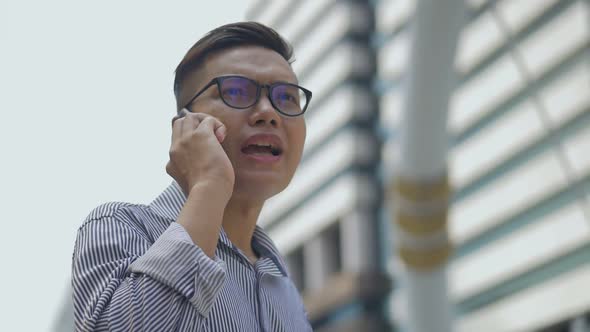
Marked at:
<point>234,92</point>
<point>284,96</point>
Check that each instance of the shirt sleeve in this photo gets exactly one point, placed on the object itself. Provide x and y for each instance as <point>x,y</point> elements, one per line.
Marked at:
<point>122,282</point>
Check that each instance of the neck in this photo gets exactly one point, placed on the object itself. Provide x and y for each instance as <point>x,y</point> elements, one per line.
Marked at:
<point>239,223</point>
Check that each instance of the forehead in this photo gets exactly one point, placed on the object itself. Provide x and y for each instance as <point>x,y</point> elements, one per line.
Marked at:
<point>261,64</point>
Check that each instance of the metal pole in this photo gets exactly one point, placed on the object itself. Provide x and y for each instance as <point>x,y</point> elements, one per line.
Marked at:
<point>420,191</point>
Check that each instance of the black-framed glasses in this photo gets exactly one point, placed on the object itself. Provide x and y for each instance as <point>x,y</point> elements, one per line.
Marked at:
<point>241,92</point>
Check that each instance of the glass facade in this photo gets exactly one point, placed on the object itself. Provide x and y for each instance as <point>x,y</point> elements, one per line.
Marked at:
<point>519,163</point>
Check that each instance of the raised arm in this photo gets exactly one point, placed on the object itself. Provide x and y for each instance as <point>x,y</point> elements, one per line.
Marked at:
<point>123,282</point>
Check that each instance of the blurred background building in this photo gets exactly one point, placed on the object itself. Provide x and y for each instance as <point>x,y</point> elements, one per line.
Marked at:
<point>518,161</point>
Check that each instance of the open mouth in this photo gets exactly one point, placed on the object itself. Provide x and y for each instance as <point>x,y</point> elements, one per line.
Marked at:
<point>262,149</point>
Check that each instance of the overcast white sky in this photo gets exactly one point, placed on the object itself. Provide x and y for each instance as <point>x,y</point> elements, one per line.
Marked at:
<point>86,102</point>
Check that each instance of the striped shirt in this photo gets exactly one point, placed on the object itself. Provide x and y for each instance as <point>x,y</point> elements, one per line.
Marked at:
<point>135,269</point>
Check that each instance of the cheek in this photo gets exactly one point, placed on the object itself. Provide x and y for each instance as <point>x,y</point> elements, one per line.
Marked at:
<point>302,133</point>
<point>231,138</point>
<point>220,111</point>
<point>297,139</point>
<point>234,125</point>
<point>213,106</point>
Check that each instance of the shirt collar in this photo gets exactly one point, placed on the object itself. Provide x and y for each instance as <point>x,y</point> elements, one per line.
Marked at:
<point>171,201</point>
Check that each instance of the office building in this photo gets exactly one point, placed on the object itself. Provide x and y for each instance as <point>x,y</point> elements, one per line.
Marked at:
<point>519,163</point>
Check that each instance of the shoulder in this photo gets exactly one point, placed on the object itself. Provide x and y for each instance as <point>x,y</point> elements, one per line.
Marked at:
<point>107,210</point>
<point>111,231</point>
<point>119,212</point>
<point>138,219</point>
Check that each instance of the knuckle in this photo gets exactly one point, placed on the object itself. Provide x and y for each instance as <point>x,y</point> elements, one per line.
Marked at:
<point>176,117</point>
<point>176,125</point>
<point>212,121</point>
<point>174,152</point>
<point>197,134</point>
<point>196,120</point>
<point>169,168</point>
<point>194,115</point>
<point>183,143</point>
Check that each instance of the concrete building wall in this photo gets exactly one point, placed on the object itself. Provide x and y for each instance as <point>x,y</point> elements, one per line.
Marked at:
<point>519,158</point>
<point>331,211</point>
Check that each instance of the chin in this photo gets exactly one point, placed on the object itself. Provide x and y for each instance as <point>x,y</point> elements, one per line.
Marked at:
<point>259,188</point>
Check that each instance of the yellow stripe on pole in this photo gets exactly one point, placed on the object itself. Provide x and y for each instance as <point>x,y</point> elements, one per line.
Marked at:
<point>422,190</point>
<point>422,225</point>
<point>421,213</point>
<point>425,260</point>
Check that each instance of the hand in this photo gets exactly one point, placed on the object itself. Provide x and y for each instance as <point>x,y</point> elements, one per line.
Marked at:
<point>196,155</point>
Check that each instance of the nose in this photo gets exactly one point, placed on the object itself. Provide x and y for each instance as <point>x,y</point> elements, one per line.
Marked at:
<point>263,112</point>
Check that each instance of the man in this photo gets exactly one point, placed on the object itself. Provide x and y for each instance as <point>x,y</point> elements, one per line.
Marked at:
<point>194,259</point>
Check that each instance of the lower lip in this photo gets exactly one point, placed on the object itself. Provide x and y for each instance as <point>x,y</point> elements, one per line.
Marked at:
<point>264,158</point>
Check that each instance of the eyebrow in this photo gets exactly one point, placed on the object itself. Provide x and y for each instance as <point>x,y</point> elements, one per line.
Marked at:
<point>296,82</point>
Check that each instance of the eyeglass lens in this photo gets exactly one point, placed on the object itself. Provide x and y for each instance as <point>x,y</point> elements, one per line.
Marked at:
<point>241,93</point>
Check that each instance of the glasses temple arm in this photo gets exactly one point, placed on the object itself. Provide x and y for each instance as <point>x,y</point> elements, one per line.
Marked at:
<point>213,81</point>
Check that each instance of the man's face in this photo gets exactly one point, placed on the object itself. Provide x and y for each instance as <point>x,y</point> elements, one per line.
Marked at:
<point>255,179</point>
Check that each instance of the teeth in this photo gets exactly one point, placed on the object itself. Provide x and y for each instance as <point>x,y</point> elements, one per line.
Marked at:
<point>264,145</point>
<point>273,149</point>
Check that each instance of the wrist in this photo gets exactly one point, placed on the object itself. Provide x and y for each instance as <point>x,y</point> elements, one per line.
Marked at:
<point>216,191</point>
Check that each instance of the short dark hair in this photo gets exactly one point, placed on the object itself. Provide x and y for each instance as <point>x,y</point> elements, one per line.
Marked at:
<point>228,36</point>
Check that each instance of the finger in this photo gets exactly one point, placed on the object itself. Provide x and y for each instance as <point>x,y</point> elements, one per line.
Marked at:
<point>177,125</point>
<point>220,131</point>
<point>199,116</point>
<point>196,118</point>
<point>219,128</point>
<point>189,123</point>
<point>207,125</point>
<point>177,129</point>
<point>181,114</point>
<point>212,124</point>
